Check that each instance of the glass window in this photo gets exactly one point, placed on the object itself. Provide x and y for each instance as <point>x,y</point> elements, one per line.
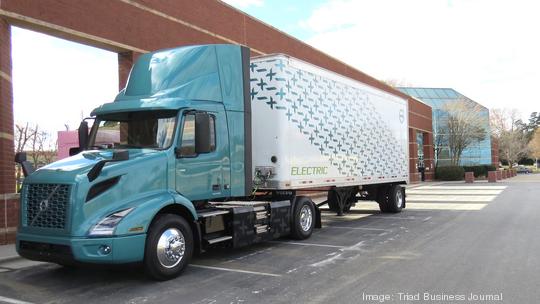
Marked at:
<point>431,93</point>
<point>451,93</point>
<point>187,146</point>
<point>440,93</point>
<point>142,129</point>
<point>212,133</point>
<point>421,93</point>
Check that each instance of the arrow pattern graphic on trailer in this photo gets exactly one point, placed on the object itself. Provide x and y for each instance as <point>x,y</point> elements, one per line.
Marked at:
<point>339,120</point>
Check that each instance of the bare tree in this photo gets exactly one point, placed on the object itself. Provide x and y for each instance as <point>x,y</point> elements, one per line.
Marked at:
<point>43,151</point>
<point>23,134</point>
<point>37,142</point>
<point>462,127</point>
<point>512,139</point>
<point>534,146</point>
<point>438,138</point>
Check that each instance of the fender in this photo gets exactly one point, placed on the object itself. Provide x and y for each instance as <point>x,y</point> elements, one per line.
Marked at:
<point>146,208</point>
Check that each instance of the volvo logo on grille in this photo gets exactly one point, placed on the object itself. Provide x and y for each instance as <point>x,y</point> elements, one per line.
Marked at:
<point>43,205</point>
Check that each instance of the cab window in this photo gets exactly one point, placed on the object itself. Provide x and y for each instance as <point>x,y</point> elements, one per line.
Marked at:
<point>187,147</point>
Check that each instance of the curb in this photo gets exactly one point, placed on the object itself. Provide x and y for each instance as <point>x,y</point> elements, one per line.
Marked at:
<point>8,259</point>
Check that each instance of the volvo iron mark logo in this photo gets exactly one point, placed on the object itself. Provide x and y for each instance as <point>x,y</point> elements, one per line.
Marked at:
<point>401,115</point>
<point>44,205</point>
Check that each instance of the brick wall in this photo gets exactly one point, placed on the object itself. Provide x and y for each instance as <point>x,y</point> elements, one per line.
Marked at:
<point>125,62</point>
<point>9,218</point>
<point>147,25</point>
<point>494,151</point>
<point>9,205</point>
<point>7,182</point>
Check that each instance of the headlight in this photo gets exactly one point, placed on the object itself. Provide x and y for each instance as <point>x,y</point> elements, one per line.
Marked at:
<point>106,226</point>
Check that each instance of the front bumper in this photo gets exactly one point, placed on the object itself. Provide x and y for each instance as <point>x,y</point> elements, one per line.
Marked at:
<point>123,249</point>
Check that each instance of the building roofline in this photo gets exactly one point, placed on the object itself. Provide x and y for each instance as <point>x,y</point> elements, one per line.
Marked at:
<point>458,92</point>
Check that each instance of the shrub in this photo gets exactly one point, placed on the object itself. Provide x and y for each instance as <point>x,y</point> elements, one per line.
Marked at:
<point>477,170</point>
<point>490,168</point>
<point>481,170</point>
<point>449,173</point>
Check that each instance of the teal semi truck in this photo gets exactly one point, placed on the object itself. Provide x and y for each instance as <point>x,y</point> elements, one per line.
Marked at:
<point>206,147</point>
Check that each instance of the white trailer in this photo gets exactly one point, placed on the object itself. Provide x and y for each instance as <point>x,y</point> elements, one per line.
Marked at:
<point>242,138</point>
<point>314,128</point>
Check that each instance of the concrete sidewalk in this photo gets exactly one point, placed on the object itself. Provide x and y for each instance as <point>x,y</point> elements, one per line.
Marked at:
<point>8,253</point>
<point>11,261</point>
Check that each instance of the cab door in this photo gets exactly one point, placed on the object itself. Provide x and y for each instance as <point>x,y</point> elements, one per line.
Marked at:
<point>203,176</point>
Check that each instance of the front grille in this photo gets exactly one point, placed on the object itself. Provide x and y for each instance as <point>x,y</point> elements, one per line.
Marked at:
<point>47,205</point>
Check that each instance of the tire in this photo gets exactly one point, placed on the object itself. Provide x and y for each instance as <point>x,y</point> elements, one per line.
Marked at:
<point>303,221</point>
<point>391,199</point>
<point>160,262</point>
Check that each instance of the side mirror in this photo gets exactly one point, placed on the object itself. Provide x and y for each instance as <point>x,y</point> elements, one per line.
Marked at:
<point>20,157</point>
<point>27,167</point>
<point>74,151</point>
<point>83,136</point>
<point>203,142</point>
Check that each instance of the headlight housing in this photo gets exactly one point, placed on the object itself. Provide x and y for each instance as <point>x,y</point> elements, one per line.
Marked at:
<point>107,225</point>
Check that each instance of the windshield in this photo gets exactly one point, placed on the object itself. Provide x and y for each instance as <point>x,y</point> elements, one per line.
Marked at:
<point>144,129</point>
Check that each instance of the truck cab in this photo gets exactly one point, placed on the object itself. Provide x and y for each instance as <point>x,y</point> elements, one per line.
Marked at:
<point>145,181</point>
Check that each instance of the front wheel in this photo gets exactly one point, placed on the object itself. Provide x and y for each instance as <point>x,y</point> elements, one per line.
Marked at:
<point>303,221</point>
<point>169,247</point>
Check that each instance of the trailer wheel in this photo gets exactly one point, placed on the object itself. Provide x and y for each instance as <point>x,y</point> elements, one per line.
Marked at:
<point>303,220</point>
<point>169,247</point>
<point>391,199</point>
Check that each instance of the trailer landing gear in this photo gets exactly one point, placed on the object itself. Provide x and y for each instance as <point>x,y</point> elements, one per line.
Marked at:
<point>342,199</point>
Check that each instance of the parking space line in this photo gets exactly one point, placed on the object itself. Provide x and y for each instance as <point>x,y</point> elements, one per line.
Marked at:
<point>234,270</point>
<point>307,244</point>
<point>358,228</point>
<point>446,206</point>
<point>393,217</point>
<point>448,192</point>
<point>13,301</point>
<point>451,198</point>
<point>461,187</point>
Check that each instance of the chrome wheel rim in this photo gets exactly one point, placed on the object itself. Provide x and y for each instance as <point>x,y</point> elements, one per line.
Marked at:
<point>306,218</point>
<point>171,248</point>
<point>399,198</point>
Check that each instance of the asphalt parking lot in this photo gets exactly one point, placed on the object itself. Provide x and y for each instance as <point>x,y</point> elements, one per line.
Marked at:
<point>454,239</point>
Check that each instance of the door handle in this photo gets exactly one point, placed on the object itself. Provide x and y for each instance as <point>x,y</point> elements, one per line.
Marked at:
<point>181,170</point>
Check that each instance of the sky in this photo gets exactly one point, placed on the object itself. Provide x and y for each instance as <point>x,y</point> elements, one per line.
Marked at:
<point>488,50</point>
<point>56,82</point>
